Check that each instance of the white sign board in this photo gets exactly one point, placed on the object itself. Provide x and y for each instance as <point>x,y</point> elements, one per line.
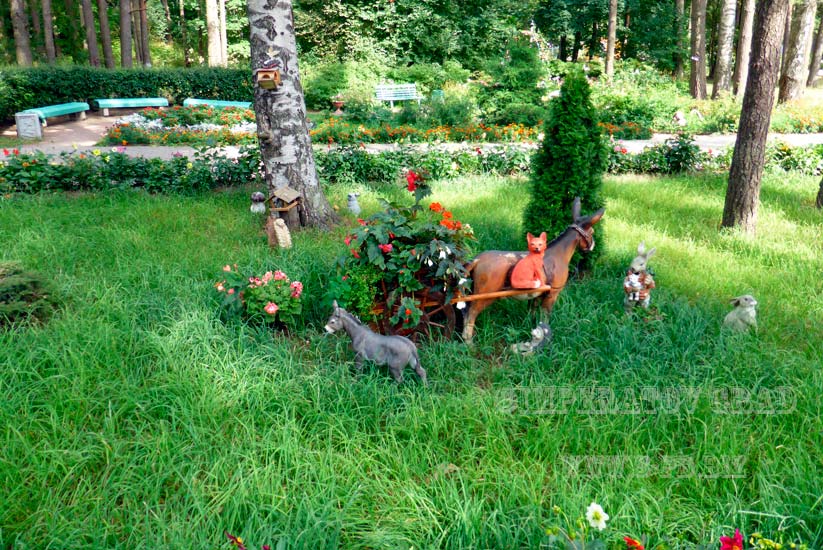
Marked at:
<point>28,126</point>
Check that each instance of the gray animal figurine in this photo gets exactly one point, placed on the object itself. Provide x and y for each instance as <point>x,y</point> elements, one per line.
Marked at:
<point>743,317</point>
<point>639,282</point>
<point>353,205</point>
<point>394,351</point>
<point>541,337</point>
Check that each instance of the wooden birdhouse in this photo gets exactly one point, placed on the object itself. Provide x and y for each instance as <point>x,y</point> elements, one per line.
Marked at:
<point>267,78</point>
<point>284,204</point>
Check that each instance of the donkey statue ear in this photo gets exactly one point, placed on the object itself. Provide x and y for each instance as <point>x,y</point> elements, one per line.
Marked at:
<point>576,209</point>
<point>334,305</point>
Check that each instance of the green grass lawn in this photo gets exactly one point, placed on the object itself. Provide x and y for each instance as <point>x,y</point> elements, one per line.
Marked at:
<point>137,419</point>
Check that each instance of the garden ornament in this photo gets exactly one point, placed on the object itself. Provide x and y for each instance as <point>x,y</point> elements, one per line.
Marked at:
<point>679,118</point>
<point>258,202</point>
<point>490,270</point>
<point>743,317</point>
<point>353,205</point>
<point>639,282</point>
<point>394,351</point>
<point>278,233</point>
<point>529,272</point>
<point>541,337</point>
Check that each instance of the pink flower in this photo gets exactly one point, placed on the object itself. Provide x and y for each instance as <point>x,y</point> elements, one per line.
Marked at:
<point>271,308</point>
<point>227,267</point>
<point>231,291</point>
<point>616,148</point>
<point>732,543</point>
<point>220,287</point>
<point>385,248</point>
<point>296,289</point>
<point>268,276</point>
<point>279,275</point>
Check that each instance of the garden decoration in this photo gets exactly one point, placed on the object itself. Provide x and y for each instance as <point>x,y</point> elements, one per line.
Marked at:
<point>285,203</point>
<point>354,206</point>
<point>490,270</point>
<point>278,233</point>
<point>268,76</point>
<point>541,337</point>
<point>743,317</point>
<point>639,280</point>
<point>529,272</point>
<point>258,203</point>
<point>394,351</point>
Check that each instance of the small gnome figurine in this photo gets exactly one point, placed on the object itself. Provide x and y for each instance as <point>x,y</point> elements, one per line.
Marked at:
<point>639,282</point>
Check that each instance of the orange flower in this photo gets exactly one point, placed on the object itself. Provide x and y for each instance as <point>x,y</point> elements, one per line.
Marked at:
<point>436,207</point>
<point>447,215</point>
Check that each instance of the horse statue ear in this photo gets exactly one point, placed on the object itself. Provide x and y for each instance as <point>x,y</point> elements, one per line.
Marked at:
<point>576,209</point>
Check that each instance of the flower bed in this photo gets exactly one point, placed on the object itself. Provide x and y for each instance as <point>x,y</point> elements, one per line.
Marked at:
<point>338,131</point>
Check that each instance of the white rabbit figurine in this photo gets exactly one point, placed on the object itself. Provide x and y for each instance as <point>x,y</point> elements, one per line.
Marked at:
<point>638,282</point>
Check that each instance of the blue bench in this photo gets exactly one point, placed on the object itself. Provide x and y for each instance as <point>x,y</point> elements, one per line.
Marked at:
<point>397,92</point>
<point>78,108</point>
<point>132,102</point>
<point>188,102</point>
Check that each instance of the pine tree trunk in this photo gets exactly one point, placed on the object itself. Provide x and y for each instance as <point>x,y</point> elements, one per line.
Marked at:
<point>20,26</point>
<point>744,47</point>
<point>819,201</point>
<point>224,47</point>
<point>285,145</point>
<point>36,29</point>
<point>126,60</point>
<point>167,13</point>
<point>135,26</point>
<point>680,13</point>
<point>697,79</point>
<point>817,56</point>
<point>183,35</point>
<point>743,191</point>
<point>786,36</point>
<point>105,32</point>
<point>144,34</point>
<point>48,31</point>
<point>612,38</point>
<point>91,33</point>
<point>725,45</point>
<point>796,67</point>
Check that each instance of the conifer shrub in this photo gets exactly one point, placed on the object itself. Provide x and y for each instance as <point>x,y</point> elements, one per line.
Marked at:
<point>23,295</point>
<point>569,163</point>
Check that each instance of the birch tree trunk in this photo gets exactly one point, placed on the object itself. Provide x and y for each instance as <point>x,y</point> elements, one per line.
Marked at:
<point>796,64</point>
<point>144,34</point>
<point>36,30</point>
<point>817,56</point>
<point>213,31</point>
<point>680,12</point>
<point>725,45</point>
<point>744,47</point>
<point>20,26</point>
<point>612,38</point>
<point>91,33</point>
<point>224,46</point>
<point>285,145</point>
<point>105,32</point>
<point>697,79</point>
<point>48,31</point>
<point>135,27</point>
<point>125,34</point>
<point>743,191</point>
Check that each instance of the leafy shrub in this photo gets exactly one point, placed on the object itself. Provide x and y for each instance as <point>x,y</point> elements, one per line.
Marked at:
<point>681,154</point>
<point>618,110</point>
<point>270,298</point>
<point>453,111</point>
<point>323,82</point>
<point>807,160</point>
<point>525,114</point>
<point>23,295</point>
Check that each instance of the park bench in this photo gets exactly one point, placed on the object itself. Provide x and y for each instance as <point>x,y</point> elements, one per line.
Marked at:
<point>188,102</point>
<point>397,92</point>
<point>78,108</point>
<point>126,103</point>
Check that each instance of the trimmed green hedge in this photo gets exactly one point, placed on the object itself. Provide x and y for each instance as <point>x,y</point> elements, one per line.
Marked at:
<point>27,88</point>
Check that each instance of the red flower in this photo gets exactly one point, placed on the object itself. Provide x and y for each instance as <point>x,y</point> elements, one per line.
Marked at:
<point>235,541</point>
<point>732,543</point>
<point>361,221</point>
<point>408,312</point>
<point>479,151</point>
<point>413,177</point>
<point>633,544</point>
<point>624,150</point>
<point>385,248</point>
<point>355,253</point>
<point>15,151</point>
<point>349,239</point>
<point>447,215</point>
<point>6,152</point>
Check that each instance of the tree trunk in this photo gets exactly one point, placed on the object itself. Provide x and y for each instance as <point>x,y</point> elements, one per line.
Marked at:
<point>744,47</point>
<point>817,56</point>
<point>796,67</point>
<point>612,38</point>
<point>105,32</point>
<point>627,19</point>
<point>786,35</point>
<point>144,34</point>
<point>186,58</point>
<point>725,45</point>
<point>743,191</point>
<point>20,26</point>
<point>563,54</point>
<point>213,31</point>
<point>595,43</point>
<point>48,31</point>
<point>167,12</point>
<point>697,80</point>
<point>285,145</point>
<point>36,30</point>
<point>576,46</point>
<point>819,202</point>
<point>125,34</point>
<point>224,46</point>
<point>91,33</point>
<point>680,13</point>
<point>135,26</point>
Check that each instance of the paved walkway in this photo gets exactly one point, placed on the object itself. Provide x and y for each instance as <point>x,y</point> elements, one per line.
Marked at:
<point>64,136</point>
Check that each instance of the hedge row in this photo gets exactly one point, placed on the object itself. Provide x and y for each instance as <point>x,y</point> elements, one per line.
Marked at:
<point>27,88</point>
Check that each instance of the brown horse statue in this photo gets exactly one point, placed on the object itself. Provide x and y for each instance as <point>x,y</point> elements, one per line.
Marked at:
<point>491,270</point>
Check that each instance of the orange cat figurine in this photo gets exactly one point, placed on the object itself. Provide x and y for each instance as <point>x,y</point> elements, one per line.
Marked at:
<point>529,272</point>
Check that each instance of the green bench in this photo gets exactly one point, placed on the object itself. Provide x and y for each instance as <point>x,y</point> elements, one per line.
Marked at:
<point>188,102</point>
<point>131,102</point>
<point>78,108</point>
<point>397,92</point>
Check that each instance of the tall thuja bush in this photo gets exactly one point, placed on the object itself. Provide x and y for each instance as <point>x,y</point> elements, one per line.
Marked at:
<point>570,163</point>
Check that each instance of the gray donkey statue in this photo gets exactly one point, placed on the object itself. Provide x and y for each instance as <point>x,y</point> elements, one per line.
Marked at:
<point>394,351</point>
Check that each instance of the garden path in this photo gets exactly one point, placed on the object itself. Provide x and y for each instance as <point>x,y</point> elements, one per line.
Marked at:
<point>61,137</point>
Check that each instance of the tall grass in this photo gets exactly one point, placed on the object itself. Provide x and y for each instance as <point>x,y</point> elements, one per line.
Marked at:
<point>137,419</point>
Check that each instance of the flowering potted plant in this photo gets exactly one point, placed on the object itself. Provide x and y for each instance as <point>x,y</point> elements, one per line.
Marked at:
<point>411,256</point>
<point>270,298</point>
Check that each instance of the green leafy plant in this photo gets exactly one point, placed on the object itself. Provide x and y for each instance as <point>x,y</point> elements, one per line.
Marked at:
<point>24,295</point>
<point>270,298</point>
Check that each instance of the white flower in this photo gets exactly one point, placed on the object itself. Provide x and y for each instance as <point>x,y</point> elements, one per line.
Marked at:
<point>442,254</point>
<point>596,517</point>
